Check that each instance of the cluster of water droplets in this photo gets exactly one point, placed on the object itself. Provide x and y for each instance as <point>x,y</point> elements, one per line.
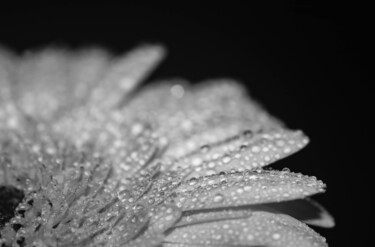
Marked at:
<point>102,163</point>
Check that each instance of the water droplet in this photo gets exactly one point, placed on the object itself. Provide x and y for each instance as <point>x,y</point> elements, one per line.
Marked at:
<point>250,237</point>
<point>177,91</point>
<point>248,133</point>
<point>192,181</point>
<point>211,165</point>
<point>243,148</point>
<point>287,150</point>
<point>239,190</point>
<point>285,169</point>
<point>276,236</point>
<point>205,148</point>
<point>210,172</point>
<point>255,149</point>
<point>169,217</point>
<point>226,159</point>
<point>247,188</point>
<point>134,219</point>
<point>196,161</point>
<point>218,198</point>
<point>280,143</point>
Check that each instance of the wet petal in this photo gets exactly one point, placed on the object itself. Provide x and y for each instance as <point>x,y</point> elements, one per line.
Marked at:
<point>204,216</point>
<point>104,164</point>
<point>261,229</point>
<point>163,188</point>
<point>243,152</point>
<point>192,117</point>
<point>245,188</point>
<point>162,218</point>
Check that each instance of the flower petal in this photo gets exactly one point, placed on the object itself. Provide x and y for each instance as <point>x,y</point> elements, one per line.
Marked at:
<point>245,188</point>
<point>124,74</point>
<point>9,117</point>
<point>41,86</point>
<point>204,216</point>
<point>261,229</point>
<point>162,218</point>
<point>246,151</point>
<point>306,210</point>
<point>192,117</point>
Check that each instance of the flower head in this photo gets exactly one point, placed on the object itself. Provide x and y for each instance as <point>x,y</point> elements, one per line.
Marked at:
<point>87,158</point>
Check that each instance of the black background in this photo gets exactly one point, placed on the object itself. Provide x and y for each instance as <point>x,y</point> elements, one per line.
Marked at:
<point>306,61</point>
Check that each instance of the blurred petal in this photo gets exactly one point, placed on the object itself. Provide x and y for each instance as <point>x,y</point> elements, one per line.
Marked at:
<point>41,85</point>
<point>261,229</point>
<point>125,74</point>
<point>9,117</point>
<point>190,117</point>
<point>85,71</point>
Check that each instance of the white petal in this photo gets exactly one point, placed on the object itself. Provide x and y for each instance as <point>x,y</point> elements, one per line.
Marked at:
<point>261,229</point>
<point>245,188</point>
<point>246,151</point>
<point>125,74</point>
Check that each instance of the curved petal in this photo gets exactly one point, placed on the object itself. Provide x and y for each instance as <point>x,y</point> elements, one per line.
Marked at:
<point>261,229</point>
<point>306,210</point>
<point>204,216</point>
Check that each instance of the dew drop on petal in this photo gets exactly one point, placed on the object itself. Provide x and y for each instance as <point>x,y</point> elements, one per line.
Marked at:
<point>218,198</point>
<point>276,236</point>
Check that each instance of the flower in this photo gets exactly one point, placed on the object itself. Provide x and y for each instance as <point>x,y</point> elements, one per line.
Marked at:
<point>89,159</point>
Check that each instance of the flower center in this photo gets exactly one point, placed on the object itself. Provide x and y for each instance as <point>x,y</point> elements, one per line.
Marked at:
<point>10,197</point>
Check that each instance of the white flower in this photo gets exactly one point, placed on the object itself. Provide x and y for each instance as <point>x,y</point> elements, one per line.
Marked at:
<point>90,159</point>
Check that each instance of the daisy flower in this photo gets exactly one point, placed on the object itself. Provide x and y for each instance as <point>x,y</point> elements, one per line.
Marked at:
<point>90,158</point>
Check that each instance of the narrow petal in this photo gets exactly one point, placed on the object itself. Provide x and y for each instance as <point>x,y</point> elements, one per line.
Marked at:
<point>261,229</point>
<point>204,216</point>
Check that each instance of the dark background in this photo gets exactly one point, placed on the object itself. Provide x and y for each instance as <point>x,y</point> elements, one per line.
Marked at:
<point>306,61</point>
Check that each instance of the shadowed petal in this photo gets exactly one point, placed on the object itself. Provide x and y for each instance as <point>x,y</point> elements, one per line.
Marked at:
<point>306,210</point>
<point>261,229</point>
<point>204,216</point>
